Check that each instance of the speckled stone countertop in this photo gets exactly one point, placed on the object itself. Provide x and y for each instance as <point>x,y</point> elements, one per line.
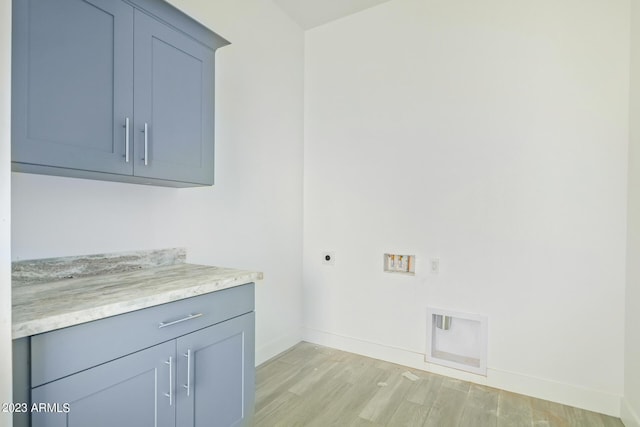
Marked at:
<point>41,306</point>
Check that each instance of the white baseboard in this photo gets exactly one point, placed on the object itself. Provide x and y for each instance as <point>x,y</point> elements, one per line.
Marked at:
<point>566,394</point>
<point>630,418</point>
<point>266,351</point>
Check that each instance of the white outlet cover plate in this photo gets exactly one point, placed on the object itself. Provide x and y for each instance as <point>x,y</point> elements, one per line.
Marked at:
<point>435,265</point>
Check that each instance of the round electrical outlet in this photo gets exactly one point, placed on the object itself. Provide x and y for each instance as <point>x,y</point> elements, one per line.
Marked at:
<point>328,258</point>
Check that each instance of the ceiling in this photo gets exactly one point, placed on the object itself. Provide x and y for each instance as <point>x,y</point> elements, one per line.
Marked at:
<point>311,13</point>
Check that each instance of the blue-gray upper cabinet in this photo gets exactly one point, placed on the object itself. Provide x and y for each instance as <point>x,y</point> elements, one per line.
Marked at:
<point>174,118</point>
<point>72,84</point>
<point>113,90</point>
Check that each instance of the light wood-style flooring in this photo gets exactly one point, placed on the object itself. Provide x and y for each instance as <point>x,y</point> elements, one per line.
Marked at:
<point>310,385</point>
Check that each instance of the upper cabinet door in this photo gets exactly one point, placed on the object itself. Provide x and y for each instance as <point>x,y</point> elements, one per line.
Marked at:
<point>174,102</point>
<point>72,83</point>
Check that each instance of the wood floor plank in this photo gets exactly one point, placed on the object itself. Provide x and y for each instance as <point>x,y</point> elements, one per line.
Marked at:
<point>360,422</point>
<point>359,395</point>
<point>385,401</point>
<point>335,412</point>
<point>548,414</point>
<point>271,382</point>
<point>472,416</point>
<point>514,410</point>
<point>483,397</point>
<point>456,384</point>
<point>481,407</point>
<point>357,369</point>
<point>447,408</point>
<point>275,411</point>
<point>313,375</point>
<point>279,374</point>
<point>582,418</point>
<point>284,376</point>
<point>409,414</point>
<point>301,354</point>
<point>609,421</point>
<point>425,390</point>
<point>315,386</point>
<point>321,403</point>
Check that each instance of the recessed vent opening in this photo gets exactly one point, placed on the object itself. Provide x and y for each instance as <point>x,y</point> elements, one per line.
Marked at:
<point>457,340</point>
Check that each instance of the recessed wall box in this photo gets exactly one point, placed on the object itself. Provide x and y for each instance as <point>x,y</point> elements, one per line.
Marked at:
<point>457,340</point>
<point>404,264</point>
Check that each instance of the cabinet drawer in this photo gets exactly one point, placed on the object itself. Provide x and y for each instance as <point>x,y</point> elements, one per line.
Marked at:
<point>65,351</point>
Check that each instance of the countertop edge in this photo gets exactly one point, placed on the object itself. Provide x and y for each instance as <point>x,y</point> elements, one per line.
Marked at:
<point>43,324</point>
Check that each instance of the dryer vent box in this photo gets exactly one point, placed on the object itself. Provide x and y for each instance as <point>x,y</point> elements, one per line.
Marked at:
<point>457,340</point>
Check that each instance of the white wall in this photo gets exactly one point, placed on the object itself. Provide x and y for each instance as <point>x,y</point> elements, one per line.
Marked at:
<point>251,218</point>
<point>631,403</point>
<point>5,209</point>
<point>492,135</point>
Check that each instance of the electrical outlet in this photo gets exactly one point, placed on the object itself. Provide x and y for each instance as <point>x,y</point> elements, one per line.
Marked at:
<point>328,258</point>
<point>435,265</point>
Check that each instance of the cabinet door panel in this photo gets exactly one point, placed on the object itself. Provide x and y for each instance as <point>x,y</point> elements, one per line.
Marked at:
<point>127,392</point>
<point>72,83</point>
<point>221,375</point>
<point>174,95</point>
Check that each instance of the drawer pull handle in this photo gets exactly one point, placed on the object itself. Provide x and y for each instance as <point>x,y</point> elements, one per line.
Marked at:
<point>126,139</point>
<point>188,384</point>
<point>146,144</point>
<point>170,394</point>
<point>184,319</point>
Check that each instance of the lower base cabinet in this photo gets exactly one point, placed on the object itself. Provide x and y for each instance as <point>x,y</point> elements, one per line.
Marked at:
<point>215,372</point>
<point>124,392</point>
<point>205,377</point>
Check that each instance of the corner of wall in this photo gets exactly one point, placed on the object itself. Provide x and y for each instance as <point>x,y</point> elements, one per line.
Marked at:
<point>629,417</point>
<point>630,407</point>
<point>5,208</point>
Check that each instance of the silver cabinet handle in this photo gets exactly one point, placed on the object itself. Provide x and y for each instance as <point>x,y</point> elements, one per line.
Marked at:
<point>126,139</point>
<point>188,384</point>
<point>170,394</point>
<point>184,319</point>
<point>146,144</point>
